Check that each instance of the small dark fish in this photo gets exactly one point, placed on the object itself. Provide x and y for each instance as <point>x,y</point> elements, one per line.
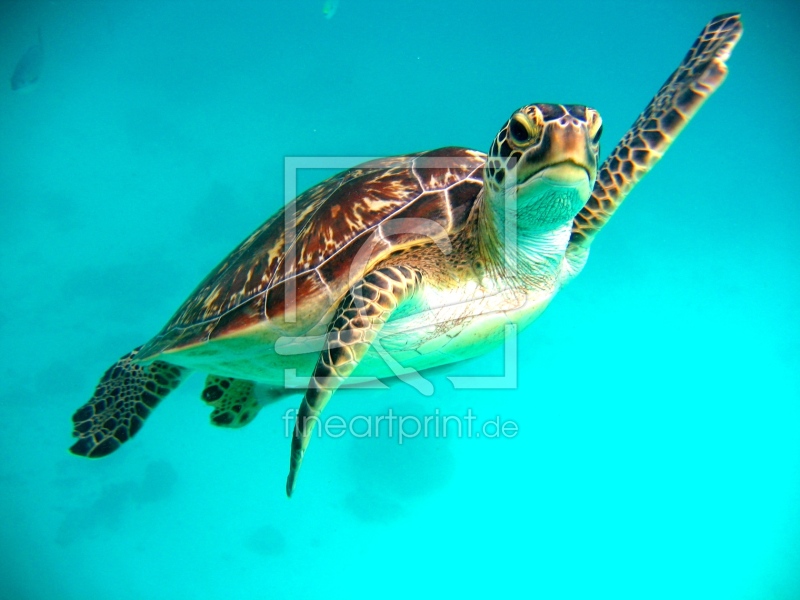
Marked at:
<point>27,71</point>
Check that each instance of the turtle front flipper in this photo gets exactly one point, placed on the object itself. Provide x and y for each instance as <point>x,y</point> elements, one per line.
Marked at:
<point>360,316</point>
<point>122,401</point>
<point>700,74</point>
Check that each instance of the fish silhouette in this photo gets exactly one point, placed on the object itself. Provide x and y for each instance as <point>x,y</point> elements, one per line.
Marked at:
<point>29,67</point>
<point>329,8</point>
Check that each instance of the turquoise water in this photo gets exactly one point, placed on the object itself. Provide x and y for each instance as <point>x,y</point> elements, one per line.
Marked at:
<point>657,401</point>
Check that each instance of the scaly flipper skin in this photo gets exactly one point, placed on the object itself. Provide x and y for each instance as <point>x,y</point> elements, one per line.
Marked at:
<point>122,401</point>
<point>234,400</point>
<point>359,318</point>
<point>700,74</point>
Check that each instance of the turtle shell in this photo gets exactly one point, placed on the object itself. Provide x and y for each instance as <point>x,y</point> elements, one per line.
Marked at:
<point>293,269</point>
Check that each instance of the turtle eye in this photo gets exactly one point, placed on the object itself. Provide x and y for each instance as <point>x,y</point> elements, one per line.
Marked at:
<point>518,131</point>
<point>596,138</point>
<point>595,125</point>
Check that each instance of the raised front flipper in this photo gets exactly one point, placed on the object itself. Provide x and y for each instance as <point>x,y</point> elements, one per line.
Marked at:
<point>122,401</point>
<point>360,316</point>
<point>700,74</point>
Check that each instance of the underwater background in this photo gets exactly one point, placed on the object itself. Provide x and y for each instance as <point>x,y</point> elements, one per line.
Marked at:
<point>657,400</point>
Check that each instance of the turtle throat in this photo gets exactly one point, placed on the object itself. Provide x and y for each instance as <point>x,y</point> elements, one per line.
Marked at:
<point>525,230</point>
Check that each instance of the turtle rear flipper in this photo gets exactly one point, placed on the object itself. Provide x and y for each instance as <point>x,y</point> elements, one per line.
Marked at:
<point>699,75</point>
<point>122,401</point>
<point>234,400</point>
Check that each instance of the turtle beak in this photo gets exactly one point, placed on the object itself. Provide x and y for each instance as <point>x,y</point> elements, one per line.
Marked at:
<point>556,176</point>
<point>565,157</point>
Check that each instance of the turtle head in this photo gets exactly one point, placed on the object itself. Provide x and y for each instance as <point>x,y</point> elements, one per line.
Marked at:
<point>544,159</point>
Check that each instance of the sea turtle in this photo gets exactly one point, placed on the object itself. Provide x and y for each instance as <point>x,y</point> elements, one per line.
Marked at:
<point>401,263</point>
